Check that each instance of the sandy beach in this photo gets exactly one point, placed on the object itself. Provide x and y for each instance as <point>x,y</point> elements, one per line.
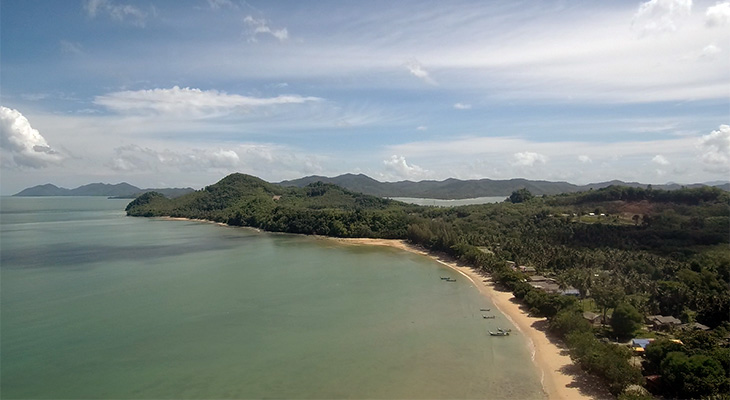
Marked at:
<point>561,379</point>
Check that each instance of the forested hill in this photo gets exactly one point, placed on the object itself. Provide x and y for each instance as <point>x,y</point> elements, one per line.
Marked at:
<point>122,190</point>
<point>464,189</point>
<point>319,208</point>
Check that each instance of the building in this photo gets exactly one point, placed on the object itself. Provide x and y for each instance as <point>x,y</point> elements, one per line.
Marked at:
<point>663,322</point>
<point>593,318</point>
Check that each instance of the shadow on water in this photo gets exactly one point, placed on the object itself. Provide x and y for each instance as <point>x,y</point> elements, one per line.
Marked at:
<point>73,254</point>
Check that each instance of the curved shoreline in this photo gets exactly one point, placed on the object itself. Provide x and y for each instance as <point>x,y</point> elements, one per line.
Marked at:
<point>560,378</point>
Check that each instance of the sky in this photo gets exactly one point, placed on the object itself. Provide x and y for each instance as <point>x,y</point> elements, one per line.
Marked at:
<point>183,93</point>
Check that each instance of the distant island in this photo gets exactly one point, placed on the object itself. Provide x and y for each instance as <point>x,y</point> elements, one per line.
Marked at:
<point>634,281</point>
<point>121,190</point>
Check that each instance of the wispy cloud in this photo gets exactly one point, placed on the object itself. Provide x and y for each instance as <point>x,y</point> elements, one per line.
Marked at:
<point>116,11</point>
<point>191,102</point>
<point>25,146</point>
<point>462,106</point>
<point>68,47</point>
<point>417,70</point>
<point>218,4</point>
<point>261,26</point>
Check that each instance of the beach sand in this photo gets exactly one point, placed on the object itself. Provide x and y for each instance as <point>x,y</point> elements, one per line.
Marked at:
<point>561,379</point>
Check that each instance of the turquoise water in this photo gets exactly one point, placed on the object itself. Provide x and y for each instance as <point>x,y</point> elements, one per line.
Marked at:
<point>99,305</point>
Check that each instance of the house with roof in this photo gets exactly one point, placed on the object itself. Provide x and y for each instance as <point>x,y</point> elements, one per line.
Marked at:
<point>593,318</point>
<point>663,322</point>
<point>694,326</point>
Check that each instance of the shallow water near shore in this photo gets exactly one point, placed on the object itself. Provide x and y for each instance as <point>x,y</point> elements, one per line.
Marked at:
<point>99,305</point>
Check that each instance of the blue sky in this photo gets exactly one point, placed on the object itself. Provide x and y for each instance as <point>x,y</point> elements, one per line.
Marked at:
<point>181,93</point>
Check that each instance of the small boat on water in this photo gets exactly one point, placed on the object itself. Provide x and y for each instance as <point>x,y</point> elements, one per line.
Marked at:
<point>504,330</point>
<point>485,309</point>
<point>500,333</point>
<point>450,280</point>
<point>445,278</point>
<point>489,316</point>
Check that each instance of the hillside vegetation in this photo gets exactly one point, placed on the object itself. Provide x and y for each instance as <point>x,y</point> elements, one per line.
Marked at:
<point>629,253</point>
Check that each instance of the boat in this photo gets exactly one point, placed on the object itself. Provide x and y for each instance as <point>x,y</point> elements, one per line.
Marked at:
<point>489,316</point>
<point>485,309</point>
<point>500,333</point>
<point>445,278</point>
<point>504,330</point>
<point>450,280</point>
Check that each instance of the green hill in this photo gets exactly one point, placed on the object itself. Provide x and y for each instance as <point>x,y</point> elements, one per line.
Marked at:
<point>318,208</point>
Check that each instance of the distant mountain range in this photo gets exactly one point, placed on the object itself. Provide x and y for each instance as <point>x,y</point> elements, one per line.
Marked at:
<point>458,189</point>
<point>447,189</point>
<point>120,190</point>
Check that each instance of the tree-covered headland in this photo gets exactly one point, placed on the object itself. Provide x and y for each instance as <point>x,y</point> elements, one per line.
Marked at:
<point>628,253</point>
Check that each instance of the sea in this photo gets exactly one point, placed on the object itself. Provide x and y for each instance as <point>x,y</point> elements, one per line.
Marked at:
<point>98,305</point>
<point>450,202</point>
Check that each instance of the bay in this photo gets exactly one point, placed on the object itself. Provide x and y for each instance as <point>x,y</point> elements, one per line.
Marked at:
<point>99,305</point>
<point>450,202</point>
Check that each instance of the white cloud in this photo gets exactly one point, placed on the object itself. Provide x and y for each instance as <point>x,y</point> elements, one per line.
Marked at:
<point>715,148</point>
<point>417,70</point>
<point>25,146</point>
<point>656,16</point>
<point>268,161</point>
<point>660,159</point>
<point>710,51</point>
<point>400,169</point>
<point>261,26</point>
<point>462,106</point>
<point>421,128</point>
<point>584,159</point>
<point>117,12</point>
<point>528,159</point>
<point>190,102</point>
<point>718,15</point>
